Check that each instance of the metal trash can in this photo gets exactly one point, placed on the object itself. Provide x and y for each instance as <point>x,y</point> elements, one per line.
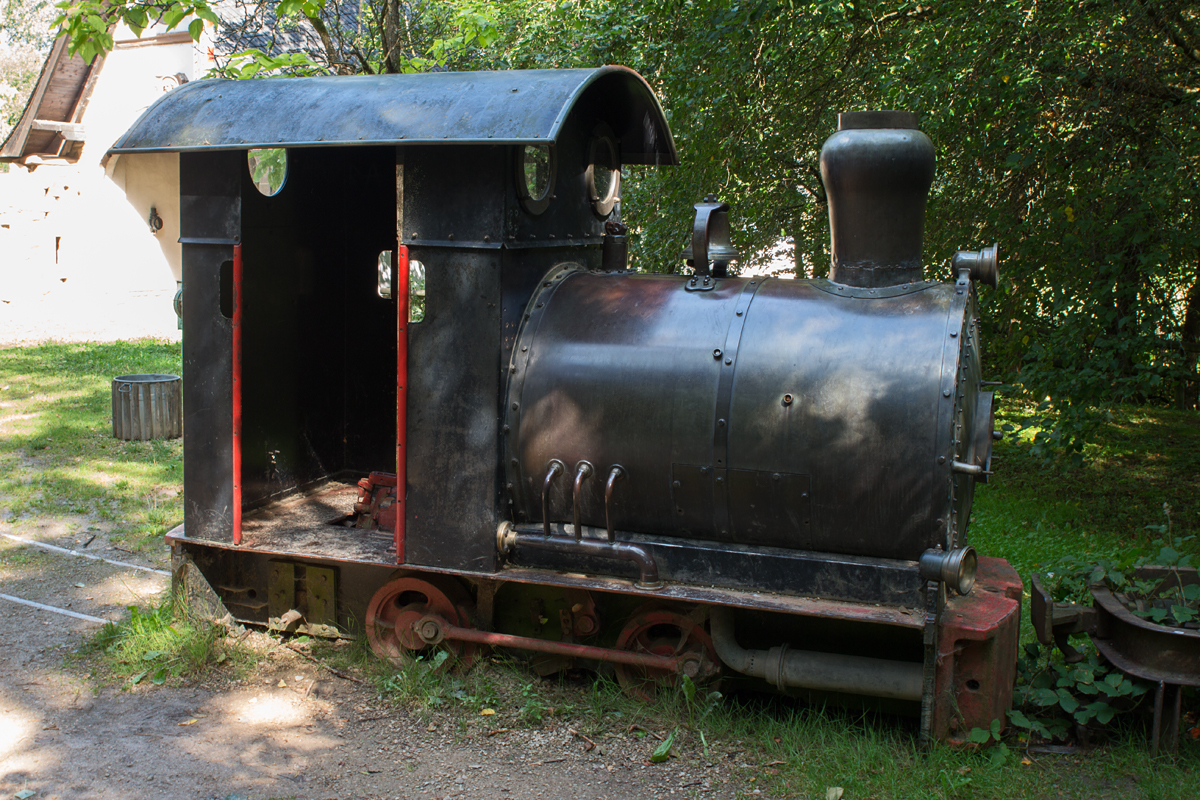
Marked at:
<point>147,407</point>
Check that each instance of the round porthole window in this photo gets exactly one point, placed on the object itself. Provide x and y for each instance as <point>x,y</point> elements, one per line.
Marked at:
<point>535,177</point>
<point>268,169</point>
<point>603,175</point>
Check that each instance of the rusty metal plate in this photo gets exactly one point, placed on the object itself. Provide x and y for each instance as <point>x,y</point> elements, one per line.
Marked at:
<point>1139,647</point>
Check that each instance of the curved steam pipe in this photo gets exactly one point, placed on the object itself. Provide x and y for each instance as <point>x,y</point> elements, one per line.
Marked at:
<point>824,672</point>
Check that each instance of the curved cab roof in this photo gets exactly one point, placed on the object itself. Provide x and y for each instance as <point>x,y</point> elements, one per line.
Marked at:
<point>516,107</point>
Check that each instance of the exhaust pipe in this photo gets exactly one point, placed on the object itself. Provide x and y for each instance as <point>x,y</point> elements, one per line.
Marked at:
<point>823,672</point>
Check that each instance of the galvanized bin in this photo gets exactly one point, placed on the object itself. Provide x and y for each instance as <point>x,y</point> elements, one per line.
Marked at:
<point>147,407</point>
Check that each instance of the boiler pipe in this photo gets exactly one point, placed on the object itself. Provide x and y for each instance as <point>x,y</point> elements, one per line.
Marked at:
<point>805,669</point>
<point>582,470</point>
<point>508,537</point>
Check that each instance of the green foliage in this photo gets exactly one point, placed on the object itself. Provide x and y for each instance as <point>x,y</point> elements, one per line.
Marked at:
<point>254,63</point>
<point>160,643</point>
<point>991,736</point>
<point>663,751</point>
<point>420,682</point>
<point>1061,132</point>
<point>1057,696</point>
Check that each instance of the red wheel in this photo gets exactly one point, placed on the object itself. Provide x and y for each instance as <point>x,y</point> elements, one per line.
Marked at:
<point>665,632</point>
<point>401,603</point>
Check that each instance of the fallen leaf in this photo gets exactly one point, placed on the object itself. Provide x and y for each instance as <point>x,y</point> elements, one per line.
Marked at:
<point>1026,762</point>
<point>79,586</point>
<point>24,794</point>
<point>431,727</point>
<point>191,721</point>
<point>281,684</point>
<point>487,712</point>
<point>663,751</point>
<point>834,793</point>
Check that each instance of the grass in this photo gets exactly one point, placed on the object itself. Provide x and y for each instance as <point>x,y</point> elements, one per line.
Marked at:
<point>1034,514</point>
<point>163,644</point>
<point>58,457</point>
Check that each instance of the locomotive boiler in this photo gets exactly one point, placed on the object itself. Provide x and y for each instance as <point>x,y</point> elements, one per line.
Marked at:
<point>426,400</point>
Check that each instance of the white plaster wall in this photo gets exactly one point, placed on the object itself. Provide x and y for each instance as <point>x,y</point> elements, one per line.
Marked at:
<point>77,259</point>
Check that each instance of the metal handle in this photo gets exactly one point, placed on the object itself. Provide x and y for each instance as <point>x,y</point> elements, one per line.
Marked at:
<point>701,229</point>
<point>125,387</point>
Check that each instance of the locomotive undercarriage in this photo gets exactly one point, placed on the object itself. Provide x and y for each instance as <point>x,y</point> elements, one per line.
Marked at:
<point>302,566</point>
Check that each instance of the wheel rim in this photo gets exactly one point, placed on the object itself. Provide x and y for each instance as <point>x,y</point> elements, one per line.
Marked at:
<point>404,601</point>
<point>663,632</point>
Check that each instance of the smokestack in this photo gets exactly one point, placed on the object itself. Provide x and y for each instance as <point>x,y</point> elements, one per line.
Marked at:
<point>877,170</point>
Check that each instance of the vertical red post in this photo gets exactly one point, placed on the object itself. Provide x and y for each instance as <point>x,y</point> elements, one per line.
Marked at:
<point>400,292</point>
<point>237,394</point>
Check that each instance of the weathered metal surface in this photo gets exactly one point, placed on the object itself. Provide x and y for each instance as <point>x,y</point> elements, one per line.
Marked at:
<point>397,609</point>
<point>771,569</point>
<point>1053,623</point>
<point>687,393</point>
<point>1137,646</point>
<point>209,224</point>
<point>456,633</point>
<point>666,632</point>
<point>376,505</point>
<point>785,667</point>
<point>977,653</point>
<point>147,406</point>
<point>518,107</point>
<point>877,170</point>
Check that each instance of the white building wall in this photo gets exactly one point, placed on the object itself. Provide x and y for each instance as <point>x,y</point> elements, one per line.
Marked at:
<point>77,259</point>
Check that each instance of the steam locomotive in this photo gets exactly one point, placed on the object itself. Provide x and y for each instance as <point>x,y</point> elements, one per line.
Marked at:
<point>752,478</point>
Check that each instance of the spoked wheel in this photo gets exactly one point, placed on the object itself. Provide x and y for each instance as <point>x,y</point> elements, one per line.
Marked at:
<point>664,631</point>
<point>400,604</point>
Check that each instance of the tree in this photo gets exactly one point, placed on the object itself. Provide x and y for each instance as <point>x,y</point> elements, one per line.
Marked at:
<point>25,36</point>
<point>1066,131</point>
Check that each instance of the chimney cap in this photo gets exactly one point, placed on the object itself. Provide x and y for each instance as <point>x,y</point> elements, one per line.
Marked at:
<point>867,120</point>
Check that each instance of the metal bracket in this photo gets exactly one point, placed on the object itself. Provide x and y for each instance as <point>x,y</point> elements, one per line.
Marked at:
<point>710,239</point>
<point>318,614</point>
<point>1055,622</point>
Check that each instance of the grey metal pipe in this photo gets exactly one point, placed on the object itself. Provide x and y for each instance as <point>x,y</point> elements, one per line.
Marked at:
<point>508,537</point>
<point>824,672</point>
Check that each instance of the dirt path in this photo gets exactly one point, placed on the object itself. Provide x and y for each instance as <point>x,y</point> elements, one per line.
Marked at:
<point>292,730</point>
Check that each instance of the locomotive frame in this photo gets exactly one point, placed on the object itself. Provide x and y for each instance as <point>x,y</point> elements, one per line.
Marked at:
<point>309,397</point>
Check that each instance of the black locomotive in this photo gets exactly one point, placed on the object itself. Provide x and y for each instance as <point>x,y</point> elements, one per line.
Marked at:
<point>696,474</point>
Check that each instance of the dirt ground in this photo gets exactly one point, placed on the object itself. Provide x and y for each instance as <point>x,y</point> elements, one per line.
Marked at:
<point>290,730</point>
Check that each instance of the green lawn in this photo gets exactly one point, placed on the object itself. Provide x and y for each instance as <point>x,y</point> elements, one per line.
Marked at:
<point>58,458</point>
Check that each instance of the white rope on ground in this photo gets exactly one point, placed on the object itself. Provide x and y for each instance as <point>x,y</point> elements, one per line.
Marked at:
<point>54,609</point>
<point>65,551</point>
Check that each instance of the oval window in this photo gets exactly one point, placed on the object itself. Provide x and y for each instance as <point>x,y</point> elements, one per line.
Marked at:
<point>603,175</point>
<point>268,169</point>
<point>535,177</point>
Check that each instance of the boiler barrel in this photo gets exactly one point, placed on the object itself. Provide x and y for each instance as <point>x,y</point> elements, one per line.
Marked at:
<point>764,412</point>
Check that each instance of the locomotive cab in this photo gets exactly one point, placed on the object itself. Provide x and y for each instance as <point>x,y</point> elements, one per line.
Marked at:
<point>423,392</point>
